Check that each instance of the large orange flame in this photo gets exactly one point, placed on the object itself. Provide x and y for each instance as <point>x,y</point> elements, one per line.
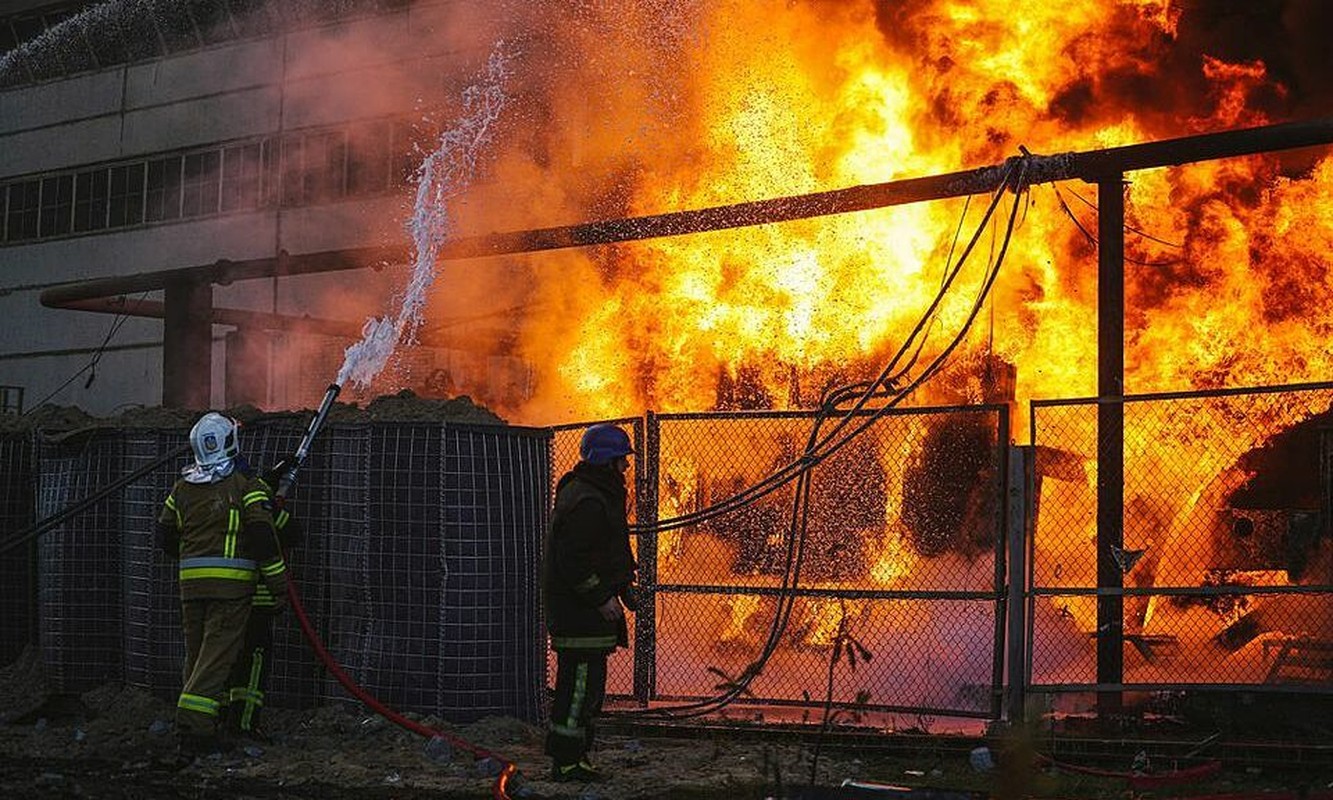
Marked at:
<point>752,100</point>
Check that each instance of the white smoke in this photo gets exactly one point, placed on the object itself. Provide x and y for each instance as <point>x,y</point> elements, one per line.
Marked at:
<point>442,176</point>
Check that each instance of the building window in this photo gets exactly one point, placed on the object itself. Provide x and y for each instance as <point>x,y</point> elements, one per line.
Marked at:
<point>11,400</point>
<point>270,181</point>
<point>406,153</point>
<point>240,177</point>
<point>199,187</point>
<point>368,149</point>
<point>164,189</point>
<point>126,195</point>
<point>21,216</point>
<point>296,169</point>
<point>90,200</point>
<point>325,166</point>
<point>292,169</point>
<point>57,205</point>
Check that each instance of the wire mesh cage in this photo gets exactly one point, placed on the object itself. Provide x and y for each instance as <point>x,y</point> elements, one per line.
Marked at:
<point>417,566</point>
<point>80,588</point>
<point>18,561</point>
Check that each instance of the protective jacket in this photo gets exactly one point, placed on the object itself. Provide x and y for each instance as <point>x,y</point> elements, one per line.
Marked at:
<point>290,534</point>
<point>222,532</point>
<point>588,559</point>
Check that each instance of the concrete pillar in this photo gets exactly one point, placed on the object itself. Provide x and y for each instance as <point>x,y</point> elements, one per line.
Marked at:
<point>187,344</point>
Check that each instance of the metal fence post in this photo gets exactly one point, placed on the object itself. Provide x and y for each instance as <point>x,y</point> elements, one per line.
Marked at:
<point>1110,439</point>
<point>645,499</point>
<point>1017,508</point>
<point>1003,534</point>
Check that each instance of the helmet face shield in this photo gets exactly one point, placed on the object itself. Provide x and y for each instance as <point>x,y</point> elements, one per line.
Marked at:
<point>215,440</point>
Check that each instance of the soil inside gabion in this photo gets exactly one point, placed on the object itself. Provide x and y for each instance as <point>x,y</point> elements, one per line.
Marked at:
<point>405,406</point>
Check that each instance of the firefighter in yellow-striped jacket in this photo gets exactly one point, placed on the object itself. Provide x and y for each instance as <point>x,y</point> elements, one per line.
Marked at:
<point>216,521</point>
<point>249,675</point>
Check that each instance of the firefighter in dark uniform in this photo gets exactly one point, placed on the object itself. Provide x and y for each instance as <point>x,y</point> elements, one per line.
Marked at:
<point>587,582</point>
<point>249,675</point>
<point>216,522</point>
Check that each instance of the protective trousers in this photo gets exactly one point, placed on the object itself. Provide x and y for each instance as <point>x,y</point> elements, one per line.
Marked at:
<point>214,631</point>
<point>249,675</point>
<point>580,688</point>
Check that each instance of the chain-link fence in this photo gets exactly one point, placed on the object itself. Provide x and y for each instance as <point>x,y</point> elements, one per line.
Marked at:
<point>621,666</point>
<point>896,554</point>
<point>1211,564</point>
<point>1219,569</point>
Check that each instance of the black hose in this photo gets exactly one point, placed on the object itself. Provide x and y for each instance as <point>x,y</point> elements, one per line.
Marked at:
<point>883,386</point>
<point>26,536</point>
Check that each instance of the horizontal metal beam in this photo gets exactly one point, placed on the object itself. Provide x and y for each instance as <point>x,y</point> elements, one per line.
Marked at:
<point>1089,166</point>
<point>241,318</point>
<point>225,271</point>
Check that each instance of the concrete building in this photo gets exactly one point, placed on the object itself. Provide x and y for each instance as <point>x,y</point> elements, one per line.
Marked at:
<point>212,176</point>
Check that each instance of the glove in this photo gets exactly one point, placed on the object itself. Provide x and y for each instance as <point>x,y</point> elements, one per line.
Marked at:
<point>630,597</point>
<point>274,474</point>
<point>611,610</point>
<point>277,586</point>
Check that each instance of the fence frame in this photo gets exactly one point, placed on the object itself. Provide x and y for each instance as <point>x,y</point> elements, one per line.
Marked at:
<point>1118,592</point>
<point>647,438</point>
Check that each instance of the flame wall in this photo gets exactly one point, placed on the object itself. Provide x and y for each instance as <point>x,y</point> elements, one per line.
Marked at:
<point>630,109</point>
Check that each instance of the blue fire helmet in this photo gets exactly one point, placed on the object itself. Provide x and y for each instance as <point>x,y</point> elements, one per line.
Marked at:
<point>604,443</point>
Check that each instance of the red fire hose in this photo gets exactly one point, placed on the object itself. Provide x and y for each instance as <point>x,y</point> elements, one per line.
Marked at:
<point>1184,777</point>
<point>509,767</point>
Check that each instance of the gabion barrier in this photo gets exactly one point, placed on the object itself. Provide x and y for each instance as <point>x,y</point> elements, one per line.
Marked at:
<point>80,590</point>
<point>17,566</point>
<point>1222,561</point>
<point>418,568</point>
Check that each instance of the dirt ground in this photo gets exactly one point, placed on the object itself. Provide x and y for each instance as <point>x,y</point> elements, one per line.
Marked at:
<point>119,742</point>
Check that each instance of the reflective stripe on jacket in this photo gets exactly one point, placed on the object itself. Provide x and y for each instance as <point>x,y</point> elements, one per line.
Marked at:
<point>224,536</point>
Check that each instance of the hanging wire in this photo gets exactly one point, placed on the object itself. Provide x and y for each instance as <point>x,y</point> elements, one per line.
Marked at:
<point>1069,212</point>
<point>1128,227</point>
<point>798,527</point>
<point>867,391</point>
<point>117,323</point>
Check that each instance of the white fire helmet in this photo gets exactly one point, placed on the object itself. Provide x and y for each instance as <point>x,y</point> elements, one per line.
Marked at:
<point>214,440</point>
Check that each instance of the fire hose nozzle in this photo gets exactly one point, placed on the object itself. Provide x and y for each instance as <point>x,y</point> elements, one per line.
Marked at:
<point>288,478</point>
